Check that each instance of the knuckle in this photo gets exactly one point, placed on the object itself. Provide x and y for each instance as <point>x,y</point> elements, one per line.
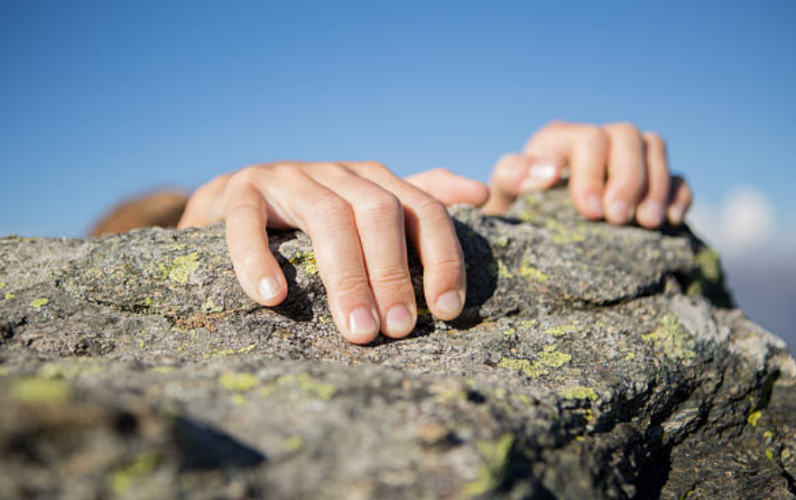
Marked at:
<point>390,276</point>
<point>347,283</point>
<point>246,175</point>
<point>374,165</point>
<point>382,204</point>
<point>432,210</point>
<point>594,137</point>
<point>449,265</point>
<point>627,128</point>
<point>332,207</point>
<point>333,168</point>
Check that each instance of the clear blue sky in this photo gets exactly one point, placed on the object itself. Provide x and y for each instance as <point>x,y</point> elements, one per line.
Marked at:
<point>103,99</point>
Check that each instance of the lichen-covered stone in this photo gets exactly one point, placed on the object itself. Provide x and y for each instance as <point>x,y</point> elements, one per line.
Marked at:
<point>591,361</point>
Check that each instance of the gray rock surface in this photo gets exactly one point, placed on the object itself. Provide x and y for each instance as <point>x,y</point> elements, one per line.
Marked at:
<point>591,361</point>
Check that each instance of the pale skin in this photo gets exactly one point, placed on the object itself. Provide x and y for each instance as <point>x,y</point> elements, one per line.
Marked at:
<point>359,214</point>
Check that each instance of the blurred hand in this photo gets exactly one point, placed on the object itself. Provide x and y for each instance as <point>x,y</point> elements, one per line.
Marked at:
<point>617,172</point>
<point>358,215</point>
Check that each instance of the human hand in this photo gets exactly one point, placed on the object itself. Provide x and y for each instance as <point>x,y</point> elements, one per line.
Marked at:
<point>358,215</point>
<point>617,172</point>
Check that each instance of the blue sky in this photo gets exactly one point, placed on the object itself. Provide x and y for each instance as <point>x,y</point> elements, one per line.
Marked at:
<point>104,99</point>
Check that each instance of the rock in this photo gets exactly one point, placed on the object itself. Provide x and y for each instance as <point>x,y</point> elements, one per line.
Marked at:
<point>591,361</point>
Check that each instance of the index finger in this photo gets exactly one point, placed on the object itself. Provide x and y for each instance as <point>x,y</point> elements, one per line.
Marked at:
<point>255,266</point>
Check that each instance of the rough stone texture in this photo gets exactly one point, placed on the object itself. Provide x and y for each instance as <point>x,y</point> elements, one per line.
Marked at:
<point>591,362</point>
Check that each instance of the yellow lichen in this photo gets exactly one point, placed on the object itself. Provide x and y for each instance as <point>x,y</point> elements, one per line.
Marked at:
<point>770,454</point>
<point>709,264</point>
<point>293,444</point>
<point>533,273</point>
<point>210,307</point>
<point>305,260</point>
<point>629,356</point>
<point>562,235</point>
<point>510,331</point>
<point>561,330</point>
<point>529,323</point>
<point>2,285</point>
<point>122,480</point>
<point>495,455</point>
<point>39,303</point>
<point>309,384</point>
<point>672,339</point>
<point>239,399</point>
<point>229,352</point>
<point>502,270</point>
<point>182,267</point>
<point>548,357</point>
<point>239,382</point>
<point>754,417</point>
<point>10,296</point>
<point>40,390</point>
<point>785,454</point>
<point>578,392</point>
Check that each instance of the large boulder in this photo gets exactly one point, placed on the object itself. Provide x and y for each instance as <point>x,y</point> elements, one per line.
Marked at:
<point>591,361</point>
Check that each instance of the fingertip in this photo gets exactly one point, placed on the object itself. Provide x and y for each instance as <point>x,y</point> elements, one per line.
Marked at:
<point>362,327</point>
<point>271,290</point>
<point>588,203</point>
<point>399,321</point>
<point>650,214</point>
<point>449,305</point>
<point>542,174</point>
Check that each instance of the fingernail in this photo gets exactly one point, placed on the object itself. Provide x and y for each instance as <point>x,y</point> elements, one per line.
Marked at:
<point>618,211</point>
<point>269,288</point>
<point>676,214</point>
<point>449,304</point>
<point>361,321</point>
<point>595,205</point>
<point>539,175</point>
<point>399,319</point>
<point>653,210</point>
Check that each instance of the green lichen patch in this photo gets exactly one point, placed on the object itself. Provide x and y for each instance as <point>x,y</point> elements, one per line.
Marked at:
<point>709,263</point>
<point>672,339</point>
<point>182,267</point>
<point>238,382</point>
<point>561,330</point>
<point>293,444</point>
<point>578,392</point>
<point>563,235</point>
<point>548,357</point>
<point>33,390</point>
<point>498,268</point>
<point>532,273</point>
<point>38,303</point>
<point>754,417</point>
<point>310,385</point>
<point>495,456</point>
<point>210,307</point>
<point>125,478</point>
<point>306,261</point>
<point>229,352</point>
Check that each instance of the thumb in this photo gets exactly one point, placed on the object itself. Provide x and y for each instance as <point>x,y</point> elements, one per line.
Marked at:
<point>450,188</point>
<point>516,174</point>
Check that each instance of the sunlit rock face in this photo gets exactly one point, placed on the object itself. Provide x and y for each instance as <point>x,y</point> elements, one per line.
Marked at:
<point>591,361</point>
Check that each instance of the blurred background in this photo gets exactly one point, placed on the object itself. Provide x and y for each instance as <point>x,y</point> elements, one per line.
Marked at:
<point>102,100</point>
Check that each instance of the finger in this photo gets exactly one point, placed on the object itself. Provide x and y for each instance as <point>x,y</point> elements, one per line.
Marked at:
<point>651,210</point>
<point>508,174</point>
<point>329,221</point>
<point>256,268</point>
<point>627,172</point>
<point>380,222</point>
<point>679,200</point>
<point>450,188</point>
<point>430,228</point>
<point>585,149</point>
<point>206,204</point>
